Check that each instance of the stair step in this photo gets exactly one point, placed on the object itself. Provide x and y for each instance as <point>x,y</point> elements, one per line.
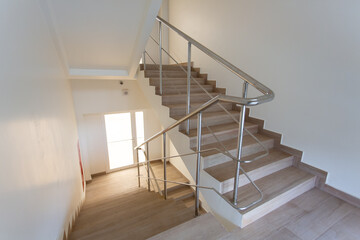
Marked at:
<point>182,88</point>
<point>250,146</point>
<point>278,188</point>
<point>203,227</point>
<point>181,193</point>
<point>174,82</point>
<point>222,132</point>
<point>211,118</point>
<point>168,74</point>
<point>172,174</point>
<point>275,161</point>
<point>180,109</point>
<point>172,67</point>
<point>182,98</point>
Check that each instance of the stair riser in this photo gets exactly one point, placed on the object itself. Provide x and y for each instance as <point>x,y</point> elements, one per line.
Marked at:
<point>172,82</point>
<point>222,136</point>
<point>181,111</point>
<point>256,174</point>
<point>170,74</point>
<point>183,90</point>
<point>246,151</point>
<point>183,99</point>
<point>222,119</point>
<point>277,202</point>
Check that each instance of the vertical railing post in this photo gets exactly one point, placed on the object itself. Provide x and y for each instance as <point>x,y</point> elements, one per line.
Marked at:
<point>138,165</point>
<point>160,58</point>
<point>240,142</point>
<point>148,165</point>
<point>188,87</point>
<point>164,156</point>
<point>144,60</point>
<point>198,162</point>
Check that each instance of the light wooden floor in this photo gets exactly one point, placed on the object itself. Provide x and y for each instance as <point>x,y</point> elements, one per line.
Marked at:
<point>312,215</point>
<point>115,208</point>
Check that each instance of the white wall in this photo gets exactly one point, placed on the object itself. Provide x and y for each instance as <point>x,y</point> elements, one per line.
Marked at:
<point>40,181</point>
<point>307,52</point>
<point>151,47</point>
<point>98,97</point>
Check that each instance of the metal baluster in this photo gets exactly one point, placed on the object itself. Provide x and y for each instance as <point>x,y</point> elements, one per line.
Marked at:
<point>138,165</point>
<point>188,87</point>
<point>144,60</point>
<point>160,58</point>
<point>240,142</point>
<point>148,165</point>
<point>198,161</point>
<point>164,155</point>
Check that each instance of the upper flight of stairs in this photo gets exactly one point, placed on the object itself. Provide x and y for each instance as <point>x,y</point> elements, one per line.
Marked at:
<point>275,173</point>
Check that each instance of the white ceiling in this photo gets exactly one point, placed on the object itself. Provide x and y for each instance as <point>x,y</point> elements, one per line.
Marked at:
<point>101,38</point>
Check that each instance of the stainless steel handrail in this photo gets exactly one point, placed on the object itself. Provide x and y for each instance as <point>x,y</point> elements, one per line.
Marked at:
<point>268,94</point>
<point>221,97</point>
<point>149,166</point>
<point>210,96</point>
<point>210,188</point>
<point>216,191</point>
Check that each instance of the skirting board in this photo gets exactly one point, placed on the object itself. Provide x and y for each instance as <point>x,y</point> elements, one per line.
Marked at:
<point>342,195</point>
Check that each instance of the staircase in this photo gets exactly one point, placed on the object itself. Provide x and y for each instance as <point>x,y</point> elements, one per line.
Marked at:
<point>275,174</point>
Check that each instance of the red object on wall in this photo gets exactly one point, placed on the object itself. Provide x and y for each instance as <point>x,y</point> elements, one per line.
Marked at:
<point>81,167</point>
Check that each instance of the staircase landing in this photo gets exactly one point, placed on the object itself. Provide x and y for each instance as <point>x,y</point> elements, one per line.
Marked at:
<point>115,208</point>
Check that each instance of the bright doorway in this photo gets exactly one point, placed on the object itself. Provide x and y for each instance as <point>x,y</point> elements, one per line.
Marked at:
<point>124,131</point>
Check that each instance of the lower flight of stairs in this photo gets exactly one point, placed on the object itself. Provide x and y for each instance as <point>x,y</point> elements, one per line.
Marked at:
<point>275,174</point>
<point>176,192</point>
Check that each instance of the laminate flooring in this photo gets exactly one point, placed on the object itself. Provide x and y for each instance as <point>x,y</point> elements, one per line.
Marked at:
<point>116,208</point>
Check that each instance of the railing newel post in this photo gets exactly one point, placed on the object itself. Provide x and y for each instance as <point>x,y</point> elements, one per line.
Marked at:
<point>148,165</point>
<point>198,163</point>
<point>144,60</point>
<point>160,59</point>
<point>240,143</point>
<point>188,84</point>
<point>138,165</point>
<point>164,156</point>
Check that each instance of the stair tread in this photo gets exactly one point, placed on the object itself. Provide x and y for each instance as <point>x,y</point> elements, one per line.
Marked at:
<point>181,193</point>
<point>206,115</point>
<point>193,104</point>
<point>205,226</point>
<point>271,186</point>
<point>185,86</point>
<point>219,128</point>
<point>175,67</point>
<point>225,171</point>
<point>176,78</point>
<point>172,175</point>
<point>167,70</point>
<point>192,94</point>
<point>232,143</point>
